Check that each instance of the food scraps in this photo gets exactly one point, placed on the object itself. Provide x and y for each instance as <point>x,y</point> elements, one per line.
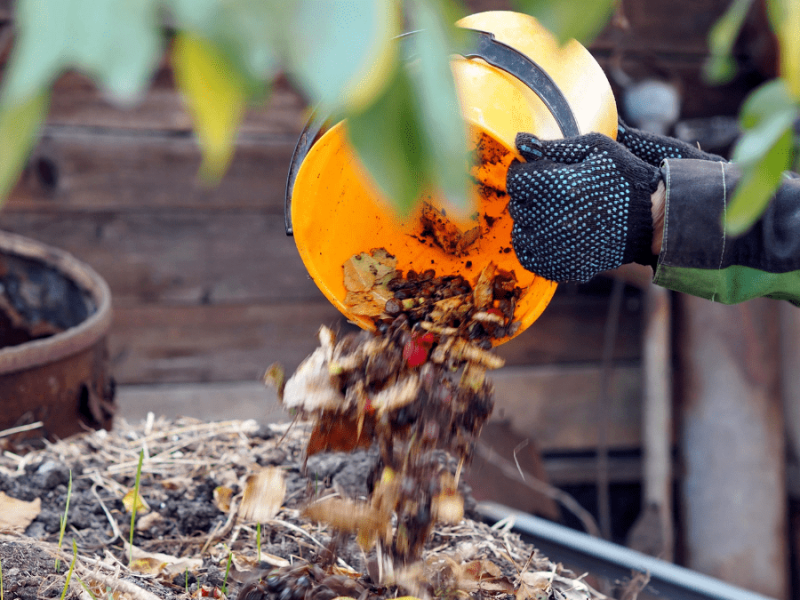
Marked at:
<point>415,387</point>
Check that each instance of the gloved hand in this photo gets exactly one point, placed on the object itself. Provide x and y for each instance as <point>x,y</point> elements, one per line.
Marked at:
<point>653,149</point>
<point>580,206</point>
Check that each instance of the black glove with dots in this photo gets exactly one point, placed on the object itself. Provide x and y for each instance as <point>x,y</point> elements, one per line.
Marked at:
<point>580,206</point>
<point>653,149</point>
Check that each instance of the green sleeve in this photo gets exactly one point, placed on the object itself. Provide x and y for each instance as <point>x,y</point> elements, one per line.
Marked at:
<point>697,256</point>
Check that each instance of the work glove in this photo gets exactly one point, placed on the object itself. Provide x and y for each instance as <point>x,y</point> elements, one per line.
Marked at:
<point>580,206</point>
<point>653,149</point>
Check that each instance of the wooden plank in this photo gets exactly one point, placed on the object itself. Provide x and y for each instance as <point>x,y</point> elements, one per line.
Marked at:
<point>205,401</point>
<point>214,343</point>
<point>557,405</point>
<point>179,257</point>
<point>80,170</point>
<point>76,101</point>
<point>571,329</point>
<point>183,343</point>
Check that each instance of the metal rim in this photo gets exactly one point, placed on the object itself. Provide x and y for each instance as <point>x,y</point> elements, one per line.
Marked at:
<point>73,340</point>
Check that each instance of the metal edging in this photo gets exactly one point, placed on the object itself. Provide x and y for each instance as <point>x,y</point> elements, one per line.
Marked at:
<point>486,47</point>
<point>612,560</point>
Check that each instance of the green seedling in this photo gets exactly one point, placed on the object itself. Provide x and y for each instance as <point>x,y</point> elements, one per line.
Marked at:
<point>186,580</point>
<point>71,569</point>
<point>86,588</point>
<point>258,542</point>
<point>2,593</point>
<point>227,572</point>
<point>135,504</point>
<point>64,518</point>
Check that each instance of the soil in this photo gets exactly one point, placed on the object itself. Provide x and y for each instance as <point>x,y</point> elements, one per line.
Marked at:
<point>192,544</point>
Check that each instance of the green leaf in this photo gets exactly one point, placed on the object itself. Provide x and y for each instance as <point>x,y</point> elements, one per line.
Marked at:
<point>764,102</point>
<point>438,105</point>
<point>216,94</point>
<point>19,128</point>
<point>389,140</point>
<point>567,19</point>
<point>251,32</point>
<point>118,43</point>
<point>758,183</point>
<point>343,51</point>
<point>720,67</point>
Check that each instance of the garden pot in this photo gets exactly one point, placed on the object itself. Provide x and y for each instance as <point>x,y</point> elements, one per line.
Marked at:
<point>55,313</point>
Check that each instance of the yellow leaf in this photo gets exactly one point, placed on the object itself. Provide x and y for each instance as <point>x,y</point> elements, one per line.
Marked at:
<point>222,498</point>
<point>147,566</point>
<point>790,47</point>
<point>16,515</point>
<point>215,93</point>
<point>128,502</point>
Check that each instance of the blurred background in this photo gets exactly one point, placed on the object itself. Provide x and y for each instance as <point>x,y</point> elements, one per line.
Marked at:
<point>672,422</point>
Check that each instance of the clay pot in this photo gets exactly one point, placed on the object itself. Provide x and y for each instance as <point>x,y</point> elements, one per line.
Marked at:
<point>55,313</point>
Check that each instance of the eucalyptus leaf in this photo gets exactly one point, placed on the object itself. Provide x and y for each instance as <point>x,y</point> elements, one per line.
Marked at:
<point>764,102</point>
<point>567,19</point>
<point>116,43</point>
<point>19,128</point>
<point>757,185</point>
<point>389,140</point>
<point>435,93</point>
<point>720,67</point>
<point>251,32</point>
<point>216,95</point>
<point>343,52</point>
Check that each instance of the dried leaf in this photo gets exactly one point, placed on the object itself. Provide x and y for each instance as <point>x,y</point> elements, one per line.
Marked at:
<point>263,495</point>
<point>402,393</point>
<point>16,515</point>
<point>446,233</point>
<point>167,564</point>
<point>222,498</point>
<point>147,566</point>
<point>340,433</point>
<point>131,498</point>
<point>275,378</point>
<point>310,389</point>
<point>483,292</point>
<point>148,521</point>
<point>359,273</point>
<point>350,516</point>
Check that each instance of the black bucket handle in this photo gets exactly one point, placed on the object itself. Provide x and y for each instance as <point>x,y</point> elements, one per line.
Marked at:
<point>495,53</point>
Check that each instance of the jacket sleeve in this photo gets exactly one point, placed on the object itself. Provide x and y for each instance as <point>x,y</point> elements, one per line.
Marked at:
<point>698,258</point>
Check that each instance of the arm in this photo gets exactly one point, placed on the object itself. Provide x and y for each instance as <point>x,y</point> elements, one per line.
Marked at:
<point>695,255</point>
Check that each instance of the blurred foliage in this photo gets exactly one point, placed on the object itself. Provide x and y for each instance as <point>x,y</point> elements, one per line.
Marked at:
<point>343,55</point>
<point>769,117</point>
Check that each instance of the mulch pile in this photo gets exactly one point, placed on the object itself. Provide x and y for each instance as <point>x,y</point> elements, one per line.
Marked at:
<point>191,540</point>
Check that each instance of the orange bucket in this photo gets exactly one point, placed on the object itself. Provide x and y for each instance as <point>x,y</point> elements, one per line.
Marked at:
<point>517,79</point>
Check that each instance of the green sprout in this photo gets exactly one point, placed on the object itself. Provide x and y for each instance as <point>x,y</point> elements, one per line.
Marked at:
<point>135,504</point>
<point>71,569</point>
<point>63,518</point>
<point>227,572</point>
<point>258,542</point>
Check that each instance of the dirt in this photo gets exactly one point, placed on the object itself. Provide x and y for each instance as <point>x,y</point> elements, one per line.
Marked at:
<point>189,545</point>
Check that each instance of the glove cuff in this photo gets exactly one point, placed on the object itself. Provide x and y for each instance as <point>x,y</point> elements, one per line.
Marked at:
<point>638,245</point>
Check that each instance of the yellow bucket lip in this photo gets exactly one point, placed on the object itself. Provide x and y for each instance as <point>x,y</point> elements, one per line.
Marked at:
<point>337,211</point>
